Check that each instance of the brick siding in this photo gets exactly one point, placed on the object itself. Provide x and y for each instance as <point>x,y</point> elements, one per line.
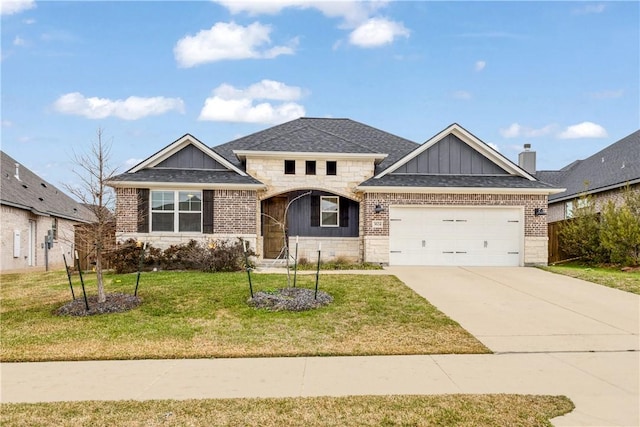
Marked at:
<point>126,210</point>
<point>534,226</point>
<point>234,211</point>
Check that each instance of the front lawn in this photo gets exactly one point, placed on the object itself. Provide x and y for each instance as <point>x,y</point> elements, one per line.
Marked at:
<point>200,315</point>
<point>447,410</point>
<point>607,276</point>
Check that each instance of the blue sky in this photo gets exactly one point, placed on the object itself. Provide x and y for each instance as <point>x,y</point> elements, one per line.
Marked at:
<point>562,76</point>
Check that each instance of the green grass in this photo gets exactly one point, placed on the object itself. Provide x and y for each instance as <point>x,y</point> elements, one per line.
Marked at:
<point>447,410</point>
<point>200,315</point>
<point>612,277</point>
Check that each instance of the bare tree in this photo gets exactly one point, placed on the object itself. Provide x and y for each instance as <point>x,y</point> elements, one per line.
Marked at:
<point>93,169</point>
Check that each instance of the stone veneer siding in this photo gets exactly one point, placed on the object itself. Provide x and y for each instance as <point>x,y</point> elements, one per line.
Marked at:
<point>376,242</point>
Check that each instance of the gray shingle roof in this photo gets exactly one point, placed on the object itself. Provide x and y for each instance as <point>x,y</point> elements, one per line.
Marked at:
<point>321,135</point>
<point>36,195</point>
<point>611,167</point>
<point>483,181</point>
<point>185,176</point>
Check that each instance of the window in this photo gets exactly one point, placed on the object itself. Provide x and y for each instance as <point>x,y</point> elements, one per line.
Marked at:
<point>186,218</point>
<point>329,211</point>
<point>54,228</point>
<point>289,167</point>
<point>310,167</point>
<point>568,209</point>
<point>332,168</point>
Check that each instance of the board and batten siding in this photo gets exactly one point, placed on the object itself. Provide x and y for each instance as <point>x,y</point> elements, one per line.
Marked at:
<point>191,157</point>
<point>450,156</point>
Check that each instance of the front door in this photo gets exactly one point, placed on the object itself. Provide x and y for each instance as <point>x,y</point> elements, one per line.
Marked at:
<point>273,226</point>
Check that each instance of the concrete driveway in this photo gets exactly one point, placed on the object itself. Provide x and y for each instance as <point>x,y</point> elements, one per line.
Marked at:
<point>528,309</point>
<point>552,334</point>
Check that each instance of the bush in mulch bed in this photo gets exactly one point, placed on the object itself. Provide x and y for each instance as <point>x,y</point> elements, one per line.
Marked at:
<point>115,303</point>
<point>290,299</point>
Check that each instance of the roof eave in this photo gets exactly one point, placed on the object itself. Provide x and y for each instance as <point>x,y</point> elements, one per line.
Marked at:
<point>457,190</point>
<point>180,185</point>
<point>596,190</point>
<point>243,154</point>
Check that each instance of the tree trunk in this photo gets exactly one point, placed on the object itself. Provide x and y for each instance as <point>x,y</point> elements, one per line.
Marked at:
<point>101,295</point>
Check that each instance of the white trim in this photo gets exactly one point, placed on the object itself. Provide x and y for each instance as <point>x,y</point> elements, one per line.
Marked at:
<point>175,212</point>
<point>186,185</point>
<point>295,155</point>
<point>337,211</point>
<point>466,137</point>
<point>458,190</point>
<point>178,145</point>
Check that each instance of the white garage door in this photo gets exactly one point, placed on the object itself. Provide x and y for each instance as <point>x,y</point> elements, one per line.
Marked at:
<point>462,236</point>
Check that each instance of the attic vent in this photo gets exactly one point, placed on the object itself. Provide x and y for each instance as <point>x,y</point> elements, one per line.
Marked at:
<point>43,184</point>
<point>25,185</point>
<point>41,199</point>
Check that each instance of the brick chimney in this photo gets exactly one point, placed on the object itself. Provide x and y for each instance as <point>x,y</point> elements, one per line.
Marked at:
<point>527,159</point>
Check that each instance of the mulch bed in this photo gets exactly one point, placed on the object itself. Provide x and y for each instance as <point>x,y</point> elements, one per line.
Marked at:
<point>115,303</point>
<point>290,299</point>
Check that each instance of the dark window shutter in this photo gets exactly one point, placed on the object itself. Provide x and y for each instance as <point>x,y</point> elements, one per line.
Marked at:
<point>207,211</point>
<point>344,212</point>
<point>143,210</point>
<point>315,211</point>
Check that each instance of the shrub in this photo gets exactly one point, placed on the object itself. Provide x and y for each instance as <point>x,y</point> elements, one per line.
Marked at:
<point>125,257</point>
<point>620,231</point>
<point>580,236</point>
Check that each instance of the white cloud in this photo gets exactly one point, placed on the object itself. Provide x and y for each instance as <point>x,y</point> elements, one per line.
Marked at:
<point>229,104</point>
<point>515,130</point>
<point>480,65</point>
<point>228,41</point>
<point>462,94</point>
<point>494,146</point>
<point>7,123</point>
<point>591,8</point>
<point>368,30</point>
<point>132,108</point>
<point>29,21</point>
<point>607,94</point>
<point>10,7</point>
<point>583,130</point>
<point>19,41</point>
<point>129,163</point>
<point>353,12</point>
<point>377,32</point>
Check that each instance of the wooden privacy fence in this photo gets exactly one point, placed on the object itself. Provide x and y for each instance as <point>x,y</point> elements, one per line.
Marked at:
<point>84,244</point>
<point>555,252</point>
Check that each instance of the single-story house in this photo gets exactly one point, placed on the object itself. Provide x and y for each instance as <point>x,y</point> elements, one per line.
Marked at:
<point>353,190</point>
<point>604,176</point>
<point>34,211</point>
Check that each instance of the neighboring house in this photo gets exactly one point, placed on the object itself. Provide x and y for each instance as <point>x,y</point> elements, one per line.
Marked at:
<point>359,192</point>
<point>31,209</point>
<point>604,176</point>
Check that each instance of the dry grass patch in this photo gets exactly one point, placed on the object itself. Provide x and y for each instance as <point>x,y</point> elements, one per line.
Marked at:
<point>628,281</point>
<point>447,410</point>
<point>200,315</point>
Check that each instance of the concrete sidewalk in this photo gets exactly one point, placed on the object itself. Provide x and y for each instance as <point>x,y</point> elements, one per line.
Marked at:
<point>552,334</point>
<point>602,385</point>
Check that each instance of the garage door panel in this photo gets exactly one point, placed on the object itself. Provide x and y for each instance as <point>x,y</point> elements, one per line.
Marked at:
<point>455,236</point>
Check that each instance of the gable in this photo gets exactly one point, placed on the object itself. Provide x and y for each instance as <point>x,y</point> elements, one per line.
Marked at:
<point>195,152</point>
<point>450,156</point>
<point>190,157</point>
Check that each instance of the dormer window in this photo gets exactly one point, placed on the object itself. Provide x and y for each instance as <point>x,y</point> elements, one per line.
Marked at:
<point>289,167</point>
<point>310,167</point>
